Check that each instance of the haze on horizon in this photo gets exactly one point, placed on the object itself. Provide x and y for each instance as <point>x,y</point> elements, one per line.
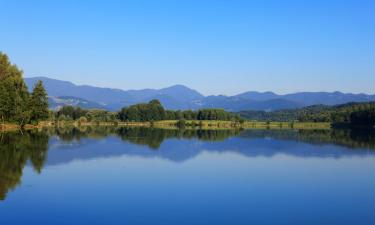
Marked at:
<point>215,47</point>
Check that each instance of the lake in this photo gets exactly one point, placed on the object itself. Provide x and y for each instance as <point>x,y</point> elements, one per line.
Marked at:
<point>109,175</point>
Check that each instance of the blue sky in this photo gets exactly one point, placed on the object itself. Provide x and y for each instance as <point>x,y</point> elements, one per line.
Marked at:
<point>216,47</point>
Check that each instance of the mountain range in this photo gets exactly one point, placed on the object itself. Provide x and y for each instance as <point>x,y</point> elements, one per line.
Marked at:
<point>181,97</point>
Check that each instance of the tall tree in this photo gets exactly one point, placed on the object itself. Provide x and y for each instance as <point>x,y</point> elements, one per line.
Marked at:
<point>13,93</point>
<point>38,103</point>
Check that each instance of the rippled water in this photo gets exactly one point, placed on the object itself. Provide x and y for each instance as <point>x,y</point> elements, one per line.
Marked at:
<point>152,176</point>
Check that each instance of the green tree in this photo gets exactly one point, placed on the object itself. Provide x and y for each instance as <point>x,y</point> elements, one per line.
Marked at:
<point>181,124</point>
<point>152,111</point>
<point>14,96</point>
<point>364,118</point>
<point>72,112</point>
<point>38,103</point>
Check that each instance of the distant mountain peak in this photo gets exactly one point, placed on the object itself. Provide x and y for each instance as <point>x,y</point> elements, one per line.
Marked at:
<point>184,91</point>
<point>178,86</point>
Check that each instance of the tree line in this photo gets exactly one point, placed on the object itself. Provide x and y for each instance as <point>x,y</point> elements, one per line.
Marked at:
<point>154,111</point>
<point>144,112</point>
<point>349,113</point>
<point>363,118</point>
<point>67,113</point>
<point>17,105</point>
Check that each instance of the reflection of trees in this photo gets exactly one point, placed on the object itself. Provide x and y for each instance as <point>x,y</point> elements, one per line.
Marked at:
<point>152,137</point>
<point>70,133</point>
<point>347,138</point>
<point>15,151</point>
<point>145,136</point>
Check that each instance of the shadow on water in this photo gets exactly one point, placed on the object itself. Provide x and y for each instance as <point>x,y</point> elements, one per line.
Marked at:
<point>31,147</point>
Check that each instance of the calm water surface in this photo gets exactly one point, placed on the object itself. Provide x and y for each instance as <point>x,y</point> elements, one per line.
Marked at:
<point>150,176</point>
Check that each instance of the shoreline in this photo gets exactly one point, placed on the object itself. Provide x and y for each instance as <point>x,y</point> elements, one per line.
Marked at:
<point>13,127</point>
<point>189,124</point>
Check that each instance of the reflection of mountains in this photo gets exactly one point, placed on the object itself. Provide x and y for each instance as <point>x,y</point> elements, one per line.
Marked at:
<point>334,143</point>
<point>69,144</point>
<point>146,142</point>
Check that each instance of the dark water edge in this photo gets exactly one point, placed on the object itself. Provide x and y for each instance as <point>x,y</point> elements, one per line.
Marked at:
<point>262,150</point>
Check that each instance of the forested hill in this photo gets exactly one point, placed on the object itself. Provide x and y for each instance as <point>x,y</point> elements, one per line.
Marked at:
<point>355,113</point>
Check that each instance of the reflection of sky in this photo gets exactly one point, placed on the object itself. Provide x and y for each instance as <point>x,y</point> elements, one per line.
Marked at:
<point>136,185</point>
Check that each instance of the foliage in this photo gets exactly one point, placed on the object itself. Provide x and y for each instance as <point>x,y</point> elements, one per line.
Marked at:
<point>83,115</point>
<point>38,103</point>
<point>100,115</point>
<point>82,119</point>
<point>363,118</point>
<point>317,113</point>
<point>14,96</point>
<point>71,112</point>
<point>16,105</point>
<point>181,124</point>
<point>154,111</point>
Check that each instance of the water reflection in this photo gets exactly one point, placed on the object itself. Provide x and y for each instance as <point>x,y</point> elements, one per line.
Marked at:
<point>344,137</point>
<point>15,151</point>
<point>151,137</point>
<point>67,144</point>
